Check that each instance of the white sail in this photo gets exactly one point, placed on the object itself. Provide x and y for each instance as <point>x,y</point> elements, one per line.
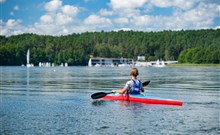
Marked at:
<point>90,62</point>
<point>158,62</point>
<point>162,63</point>
<point>28,56</point>
<point>28,59</point>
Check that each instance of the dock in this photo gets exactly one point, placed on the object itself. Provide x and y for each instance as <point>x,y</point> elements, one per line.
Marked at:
<point>126,62</point>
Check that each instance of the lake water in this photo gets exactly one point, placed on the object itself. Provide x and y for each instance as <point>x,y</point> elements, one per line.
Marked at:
<point>57,101</point>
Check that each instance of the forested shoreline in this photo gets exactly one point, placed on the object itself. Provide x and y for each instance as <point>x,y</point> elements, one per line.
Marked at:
<point>186,46</point>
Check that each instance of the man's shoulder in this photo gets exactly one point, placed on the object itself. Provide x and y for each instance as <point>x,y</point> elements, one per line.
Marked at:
<point>129,81</point>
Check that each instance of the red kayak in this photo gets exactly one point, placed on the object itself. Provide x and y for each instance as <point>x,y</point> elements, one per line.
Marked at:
<point>142,99</point>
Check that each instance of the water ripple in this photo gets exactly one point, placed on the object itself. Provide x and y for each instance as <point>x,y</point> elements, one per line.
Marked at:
<point>57,101</point>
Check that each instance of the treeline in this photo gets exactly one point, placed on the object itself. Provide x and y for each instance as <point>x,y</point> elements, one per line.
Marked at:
<point>186,46</point>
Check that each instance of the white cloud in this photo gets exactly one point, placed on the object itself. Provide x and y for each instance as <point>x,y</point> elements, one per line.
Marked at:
<point>59,22</point>
<point>53,24</point>
<point>65,30</point>
<point>60,19</point>
<point>12,23</point>
<point>105,12</point>
<point>18,31</point>
<point>200,17</point>
<point>127,8</point>
<point>16,7</point>
<point>3,30</point>
<point>12,13</point>
<point>145,20</point>
<point>217,27</point>
<point>183,4</point>
<point>70,10</point>
<point>195,18</point>
<point>2,1</point>
<point>129,12</point>
<point>53,5</point>
<point>10,27</point>
<point>123,4</point>
<point>124,29</point>
<point>45,29</point>
<point>97,21</point>
<point>46,19</point>
<point>121,20</point>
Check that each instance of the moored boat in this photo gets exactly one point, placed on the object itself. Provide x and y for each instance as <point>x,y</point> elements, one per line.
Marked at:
<point>142,99</point>
<point>159,64</point>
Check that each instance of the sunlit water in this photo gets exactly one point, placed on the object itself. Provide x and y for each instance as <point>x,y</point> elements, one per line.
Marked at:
<point>57,101</point>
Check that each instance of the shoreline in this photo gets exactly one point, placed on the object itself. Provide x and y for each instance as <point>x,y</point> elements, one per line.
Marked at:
<point>192,65</point>
<point>168,65</point>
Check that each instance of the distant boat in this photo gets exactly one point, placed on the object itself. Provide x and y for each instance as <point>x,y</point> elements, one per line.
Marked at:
<point>159,64</point>
<point>124,65</point>
<point>66,64</point>
<point>28,59</point>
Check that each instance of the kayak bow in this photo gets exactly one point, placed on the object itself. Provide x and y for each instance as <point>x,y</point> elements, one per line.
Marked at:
<point>142,99</point>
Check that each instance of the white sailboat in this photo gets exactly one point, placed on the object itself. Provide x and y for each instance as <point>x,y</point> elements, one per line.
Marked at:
<point>28,59</point>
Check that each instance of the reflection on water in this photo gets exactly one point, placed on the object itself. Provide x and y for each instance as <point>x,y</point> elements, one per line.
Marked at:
<point>28,82</point>
<point>57,101</point>
<point>27,77</point>
<point>98,102</point>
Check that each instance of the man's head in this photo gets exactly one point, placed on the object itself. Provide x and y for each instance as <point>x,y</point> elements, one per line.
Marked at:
<point>134,72</point>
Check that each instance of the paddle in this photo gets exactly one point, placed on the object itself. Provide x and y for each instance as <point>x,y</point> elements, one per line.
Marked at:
<point>102,94</point>
<point>145,83</point>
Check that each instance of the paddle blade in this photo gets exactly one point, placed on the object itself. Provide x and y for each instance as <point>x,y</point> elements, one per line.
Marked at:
<point>145,83</point>
<point>98,95</point>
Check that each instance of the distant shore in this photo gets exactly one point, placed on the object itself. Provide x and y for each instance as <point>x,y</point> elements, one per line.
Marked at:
<point>189,64</point>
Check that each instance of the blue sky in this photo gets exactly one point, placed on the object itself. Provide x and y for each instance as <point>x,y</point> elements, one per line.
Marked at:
<point>62,17</point>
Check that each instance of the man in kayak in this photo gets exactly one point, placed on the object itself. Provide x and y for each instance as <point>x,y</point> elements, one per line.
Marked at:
<point>134,86</point>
